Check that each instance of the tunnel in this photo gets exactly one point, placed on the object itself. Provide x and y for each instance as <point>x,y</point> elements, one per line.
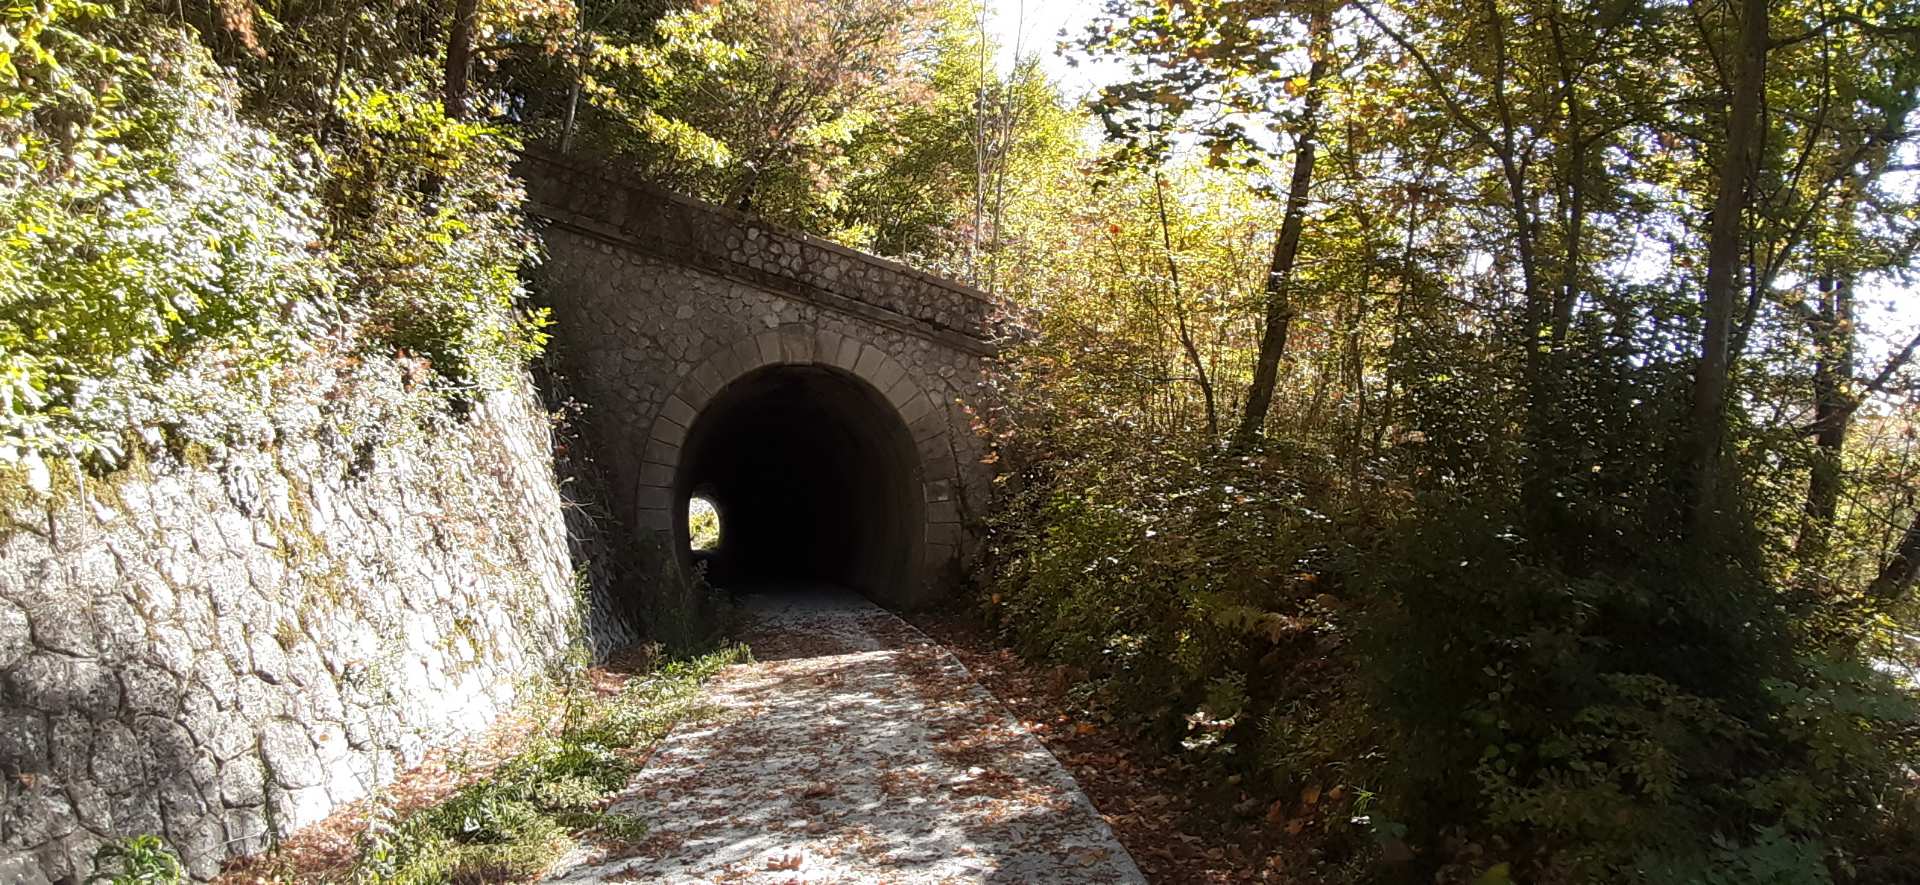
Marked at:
<point>816,480</point>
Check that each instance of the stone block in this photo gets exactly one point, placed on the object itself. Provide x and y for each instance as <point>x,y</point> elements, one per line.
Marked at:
<point>796,343</point>
<point>826,344</point>
<point>661,453</point>
<point>668,433</point>
<point>848,355</point>
<point>56,684</point>
<point>119,761</point>
<point>65,627</point>
<point>246,830</point>
<point>38,816</point>
<point>869,361</point>
<point>16,638</point>
<point>768,344</point>
<point>23,742</point>
<point>678,411</point>
<point>243,783</point>
<point>915,408</point>
<point>708,376</point>
<point>943,511</point>
<point>654,498</point>
<point>288,754</point>
<point>903,390</point>
<point>885,375</point>
<point>652,474</point>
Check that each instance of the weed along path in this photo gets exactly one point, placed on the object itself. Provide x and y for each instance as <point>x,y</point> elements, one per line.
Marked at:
<point>854,749</point>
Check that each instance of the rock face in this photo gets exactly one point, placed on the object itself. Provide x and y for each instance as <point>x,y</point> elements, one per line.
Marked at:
<point>664,304</point>
<point>219,646</point>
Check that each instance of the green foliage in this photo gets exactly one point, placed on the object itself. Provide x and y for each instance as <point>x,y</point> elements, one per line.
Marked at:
<point>515,822</point>
<point>1468,576</point>
<point>703,524</point>
<point>165,248</point>
<point>144,222</point>
<point>137,860</point>
<point>860,121</point>
<point>426,225</point>
<point>749,103</point>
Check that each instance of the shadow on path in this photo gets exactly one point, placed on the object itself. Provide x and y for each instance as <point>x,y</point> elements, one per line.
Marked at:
<point>854,750</point>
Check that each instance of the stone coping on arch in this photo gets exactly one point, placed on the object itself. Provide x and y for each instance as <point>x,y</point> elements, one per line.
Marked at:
<point>798,344</point>
<point>592,198</point>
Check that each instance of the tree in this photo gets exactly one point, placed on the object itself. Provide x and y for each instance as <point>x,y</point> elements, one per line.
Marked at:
<point>1224,64</point>
<point>1740,155</point>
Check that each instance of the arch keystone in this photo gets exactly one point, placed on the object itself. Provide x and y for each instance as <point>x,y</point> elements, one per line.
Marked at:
<point>769,346</point>
<point>796,343</point>
<point>825,345</point>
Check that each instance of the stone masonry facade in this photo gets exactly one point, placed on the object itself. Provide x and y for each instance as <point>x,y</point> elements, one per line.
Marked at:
<point>220,645</point>
<point>660,301</point>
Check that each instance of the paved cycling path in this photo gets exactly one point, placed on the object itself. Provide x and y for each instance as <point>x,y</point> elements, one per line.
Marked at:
<point>854,749</point>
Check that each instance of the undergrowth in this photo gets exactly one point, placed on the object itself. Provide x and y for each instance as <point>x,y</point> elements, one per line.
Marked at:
<point>1420,694</point>
<point>515,823</point>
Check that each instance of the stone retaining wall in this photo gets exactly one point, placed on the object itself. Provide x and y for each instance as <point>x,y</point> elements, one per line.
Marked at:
<point>221,644</point>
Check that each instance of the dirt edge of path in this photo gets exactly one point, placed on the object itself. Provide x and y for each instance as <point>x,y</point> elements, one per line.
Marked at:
<point>1177,833</point>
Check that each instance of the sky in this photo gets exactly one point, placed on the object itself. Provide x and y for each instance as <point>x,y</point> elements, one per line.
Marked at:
<point>1035,26</point>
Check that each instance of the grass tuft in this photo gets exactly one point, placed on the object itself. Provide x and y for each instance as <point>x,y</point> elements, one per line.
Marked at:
<point>516,823</point>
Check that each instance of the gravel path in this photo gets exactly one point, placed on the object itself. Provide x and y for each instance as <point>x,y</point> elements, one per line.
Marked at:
<point>855,749</point>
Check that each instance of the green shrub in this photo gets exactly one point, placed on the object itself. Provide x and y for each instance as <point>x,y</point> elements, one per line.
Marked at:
<point>138,860</point>
<point>1452,697</point>
<point>160,251</point>
<point>425,219</point>
<point>143,221</point>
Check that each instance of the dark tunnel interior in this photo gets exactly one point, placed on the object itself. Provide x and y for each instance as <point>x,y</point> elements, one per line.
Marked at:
<point>815,479</point>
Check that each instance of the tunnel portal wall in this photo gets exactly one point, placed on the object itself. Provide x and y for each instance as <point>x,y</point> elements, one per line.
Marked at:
<point>660,302</point>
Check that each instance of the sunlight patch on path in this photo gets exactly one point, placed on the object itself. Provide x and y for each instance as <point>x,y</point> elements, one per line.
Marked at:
<point>855,750</point>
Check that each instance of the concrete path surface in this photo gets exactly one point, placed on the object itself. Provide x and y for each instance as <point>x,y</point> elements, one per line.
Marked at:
<point>854,749</point>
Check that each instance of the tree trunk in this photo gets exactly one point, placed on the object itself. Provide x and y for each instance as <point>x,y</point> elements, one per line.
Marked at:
<point>1833,408</point>
<point>1725,240</point>
<point>459,55</point>
<point>1278,321</point>
<point>1180,313</point>
<point>1900,571</point>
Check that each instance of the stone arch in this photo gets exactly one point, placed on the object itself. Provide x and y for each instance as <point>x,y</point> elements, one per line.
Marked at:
<point>662,492</point>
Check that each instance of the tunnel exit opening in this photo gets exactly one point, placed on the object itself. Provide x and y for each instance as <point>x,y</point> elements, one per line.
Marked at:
<point>816,478</point>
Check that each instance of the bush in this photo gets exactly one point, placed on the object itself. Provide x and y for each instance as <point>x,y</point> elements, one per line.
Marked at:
<point>154,233</point>
<point>1451,696</point>
<point>144,222</point>
<point>426,222</point>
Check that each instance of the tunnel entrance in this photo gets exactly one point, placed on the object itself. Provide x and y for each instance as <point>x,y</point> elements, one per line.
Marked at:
<point>816,478</point>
